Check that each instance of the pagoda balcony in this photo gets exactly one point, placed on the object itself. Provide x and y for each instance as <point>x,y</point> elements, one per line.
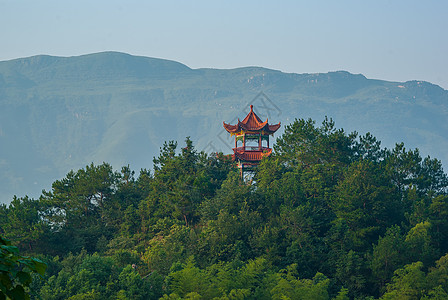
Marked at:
<point>251,148</point>
<point>251,155</point>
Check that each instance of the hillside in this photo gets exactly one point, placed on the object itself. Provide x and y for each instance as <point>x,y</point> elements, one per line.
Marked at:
<point>61,113</point>
<point>328,216</point>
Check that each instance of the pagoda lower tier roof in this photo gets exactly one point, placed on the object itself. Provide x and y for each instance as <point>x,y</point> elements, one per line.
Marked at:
<point>251,155</point>
<point>251,123</point>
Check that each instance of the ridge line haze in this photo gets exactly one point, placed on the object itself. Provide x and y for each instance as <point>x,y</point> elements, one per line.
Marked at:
<point>174,62</point>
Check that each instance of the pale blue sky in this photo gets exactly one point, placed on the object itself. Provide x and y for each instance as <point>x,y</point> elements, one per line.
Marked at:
<point>391,40</point>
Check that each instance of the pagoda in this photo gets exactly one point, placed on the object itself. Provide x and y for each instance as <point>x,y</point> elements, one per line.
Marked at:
<point>251,141</point>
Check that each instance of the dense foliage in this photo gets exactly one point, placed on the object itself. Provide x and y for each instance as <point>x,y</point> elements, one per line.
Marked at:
<point>16,271</point>
<point>329,215</point>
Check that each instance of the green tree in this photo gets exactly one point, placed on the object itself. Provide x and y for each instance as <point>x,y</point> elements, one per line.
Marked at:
<point>366,202</point>
<point>369,148</point>
<point>23,223</point>
<point>133,286</point>
<point>408,282</point>
<point>231,197</point>
<point>403,166</point>
<point>388,255</point>
<point>163,251</point>
<point>438,214</point>
<point>190,279</point>
<point>438,275</point>
<point>181,183</point>
<point>77,208</point>
<point>432,179</point>
<point>289,286</point>
<point>304,144</point>
<point>419,244</point>
<point>352,273</point>
<point>306,247</point>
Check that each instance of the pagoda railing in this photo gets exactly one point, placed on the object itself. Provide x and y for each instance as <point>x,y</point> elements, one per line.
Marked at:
<point>251,148</point>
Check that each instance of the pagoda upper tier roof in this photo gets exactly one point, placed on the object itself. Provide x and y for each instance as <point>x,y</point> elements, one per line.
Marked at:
<point>251,123</point>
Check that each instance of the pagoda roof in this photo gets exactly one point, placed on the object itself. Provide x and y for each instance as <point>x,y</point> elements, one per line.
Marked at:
<point>251,123</point>
<point>251,155</point>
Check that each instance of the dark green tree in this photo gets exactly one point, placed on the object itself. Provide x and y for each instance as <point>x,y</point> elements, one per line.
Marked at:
<point>388,255</point>
<point>352,273</point>
<point>367,202</point>
<point>438,214</point>
<point>304,144</point>
<point>77,208</point>
<point>368,148</point>
<point>23,223</point>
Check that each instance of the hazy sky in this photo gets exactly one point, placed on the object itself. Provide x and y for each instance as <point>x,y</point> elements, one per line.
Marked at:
<point>392,40</point>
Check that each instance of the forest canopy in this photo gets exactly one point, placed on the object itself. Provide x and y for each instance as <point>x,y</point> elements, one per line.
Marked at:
<point>329,215</point>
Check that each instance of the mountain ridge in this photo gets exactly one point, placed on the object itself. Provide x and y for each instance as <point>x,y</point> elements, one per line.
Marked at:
<point>62,113</point>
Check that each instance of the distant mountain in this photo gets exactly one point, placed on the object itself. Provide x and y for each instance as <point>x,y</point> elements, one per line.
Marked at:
<point>62,113</point>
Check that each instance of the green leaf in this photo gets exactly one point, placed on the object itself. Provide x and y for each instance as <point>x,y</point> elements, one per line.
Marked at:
<point>4,241</point>
<point>27,262</point>
<point>5,282</point>
<point>39,266</point>
<point>5,267</point>
<point>18,293</point>
<point>10,249</point>
<point>24,277</point>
